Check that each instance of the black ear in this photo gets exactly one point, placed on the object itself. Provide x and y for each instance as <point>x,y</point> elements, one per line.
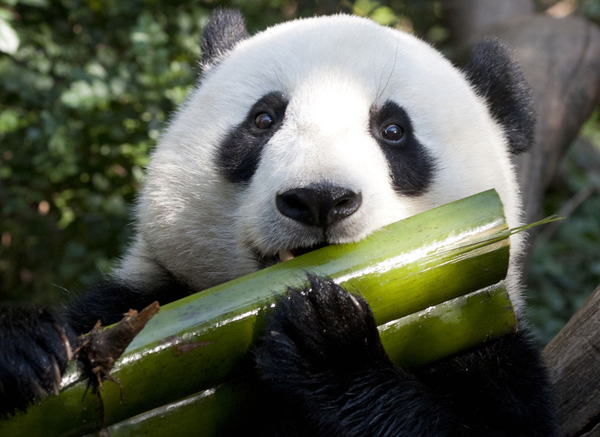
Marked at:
<point>497,77</point>
<point>224,30</point>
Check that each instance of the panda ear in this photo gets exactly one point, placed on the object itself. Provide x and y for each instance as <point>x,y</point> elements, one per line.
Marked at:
<point>224,30</point>
<point>498,78</point>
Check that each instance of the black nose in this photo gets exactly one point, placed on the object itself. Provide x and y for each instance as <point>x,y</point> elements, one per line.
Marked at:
<point>318,205</point>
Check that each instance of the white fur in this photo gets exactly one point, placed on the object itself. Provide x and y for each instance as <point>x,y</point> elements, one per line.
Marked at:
<point>331,69</point>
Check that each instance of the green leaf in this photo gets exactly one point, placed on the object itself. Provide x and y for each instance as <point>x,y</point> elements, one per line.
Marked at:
<point>9,40</point>
<point>36,3</point>
<point>384,15</point>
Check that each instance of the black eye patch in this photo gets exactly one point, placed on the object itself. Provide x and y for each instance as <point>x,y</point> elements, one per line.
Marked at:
<point>411,165</point>
<point>239,154</point>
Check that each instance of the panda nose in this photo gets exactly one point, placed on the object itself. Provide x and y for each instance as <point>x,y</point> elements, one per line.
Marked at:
<point>318,205</point>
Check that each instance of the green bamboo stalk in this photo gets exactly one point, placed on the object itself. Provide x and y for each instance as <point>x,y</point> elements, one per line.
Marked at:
<point>446,329</point>
<point>200,341</point>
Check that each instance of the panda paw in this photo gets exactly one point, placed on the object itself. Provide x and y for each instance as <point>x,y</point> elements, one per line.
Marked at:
<point>316,333</point>
<point>35,347</point>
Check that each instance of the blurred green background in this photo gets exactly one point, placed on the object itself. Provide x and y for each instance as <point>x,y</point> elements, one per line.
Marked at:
<point>86,87</point>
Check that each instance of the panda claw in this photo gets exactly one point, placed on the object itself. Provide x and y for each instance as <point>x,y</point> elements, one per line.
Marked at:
<point>57,376</point>
<point>38,390</point>
<point>65,341</point>
<point>285,255</point>
<point>323,327</point>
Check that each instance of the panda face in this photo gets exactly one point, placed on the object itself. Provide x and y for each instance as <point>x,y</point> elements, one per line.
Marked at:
<point>327,175</point>
<point>314,132</point>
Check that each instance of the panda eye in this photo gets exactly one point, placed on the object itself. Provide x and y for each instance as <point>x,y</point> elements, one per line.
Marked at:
<point>392,133</point>
<point>263,121</point>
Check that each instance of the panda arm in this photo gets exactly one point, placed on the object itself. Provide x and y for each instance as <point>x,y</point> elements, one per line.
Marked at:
<point>36,343</point>
<point>109,301</point>
<point>322,358</point>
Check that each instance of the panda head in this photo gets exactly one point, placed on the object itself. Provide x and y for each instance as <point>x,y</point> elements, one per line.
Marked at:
<point>320,131</point>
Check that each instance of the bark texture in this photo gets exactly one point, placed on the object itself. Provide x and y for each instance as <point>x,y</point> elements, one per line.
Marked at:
<point>471,18</point>
<point>573,360</point>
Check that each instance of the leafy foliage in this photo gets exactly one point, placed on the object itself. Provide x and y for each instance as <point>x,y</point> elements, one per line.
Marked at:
<point>82,100</point>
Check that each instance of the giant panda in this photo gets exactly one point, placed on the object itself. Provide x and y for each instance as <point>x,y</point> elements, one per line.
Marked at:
<point>314,132</point>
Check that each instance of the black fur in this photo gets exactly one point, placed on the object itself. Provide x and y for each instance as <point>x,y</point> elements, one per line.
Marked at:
<point>31,348</point>
<point>322,359</point>
<point>411,166</point>
<point>109,301</point>
<point>224,30</point>
<point>239,153</point>
<point>498,78</point>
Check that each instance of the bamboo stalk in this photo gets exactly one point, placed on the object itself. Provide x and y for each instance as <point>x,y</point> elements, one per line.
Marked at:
<point>200,341</point>
<point>446,329</point>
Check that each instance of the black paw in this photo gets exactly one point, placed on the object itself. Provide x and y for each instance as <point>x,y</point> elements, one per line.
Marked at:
<point>35,347</point>
<point>319,329</point>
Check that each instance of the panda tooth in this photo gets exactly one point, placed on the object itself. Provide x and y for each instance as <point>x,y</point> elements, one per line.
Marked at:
<point>285,255</point>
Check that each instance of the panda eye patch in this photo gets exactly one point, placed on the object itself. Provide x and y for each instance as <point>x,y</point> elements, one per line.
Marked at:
<point>263,121</point>
<point>411,165</point>
<point>240,151</point>
<point>392,133</point>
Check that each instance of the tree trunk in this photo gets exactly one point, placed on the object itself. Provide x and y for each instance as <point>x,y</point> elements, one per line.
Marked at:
<point>469,19</point>
<point>561,60</point>
<point>573,360</point>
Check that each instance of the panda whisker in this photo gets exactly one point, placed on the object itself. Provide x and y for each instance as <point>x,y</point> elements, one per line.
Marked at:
<point>395,58</point>
<point>281,87</point>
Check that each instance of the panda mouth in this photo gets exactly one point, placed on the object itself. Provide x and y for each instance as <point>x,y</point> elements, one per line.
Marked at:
<point>288,254</point>
<point>285,255</point>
